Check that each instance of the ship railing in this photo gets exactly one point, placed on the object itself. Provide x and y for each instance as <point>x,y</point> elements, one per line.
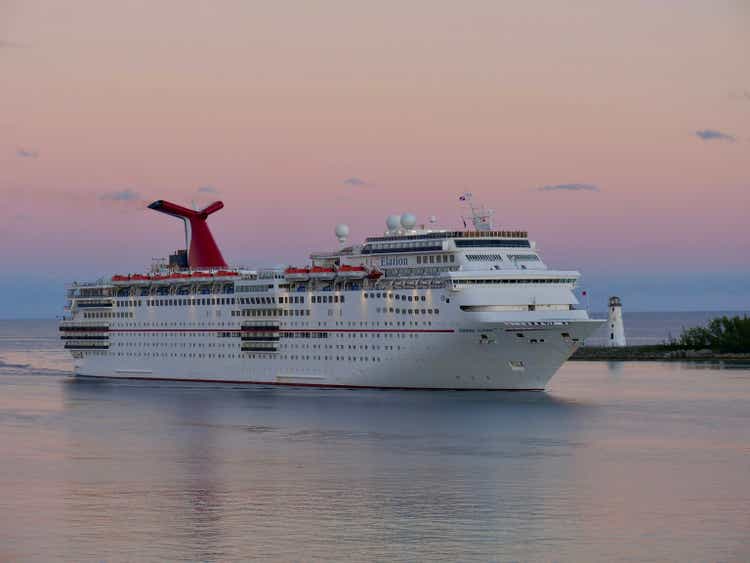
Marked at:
<point>69,323</point>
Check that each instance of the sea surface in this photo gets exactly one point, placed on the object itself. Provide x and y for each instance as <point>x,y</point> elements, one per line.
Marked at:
<point>615,462</point>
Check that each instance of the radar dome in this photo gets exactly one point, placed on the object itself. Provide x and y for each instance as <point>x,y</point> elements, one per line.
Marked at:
<point>408,221</point>
<point>393,222</point>
<point>342,232</point>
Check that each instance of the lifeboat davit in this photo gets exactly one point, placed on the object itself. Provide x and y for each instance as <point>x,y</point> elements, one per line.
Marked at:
<point>297,274</point>
<point>352,272</point>
<point>320,273</point>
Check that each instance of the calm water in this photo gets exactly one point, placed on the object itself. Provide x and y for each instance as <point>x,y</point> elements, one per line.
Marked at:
<point>621,461</point>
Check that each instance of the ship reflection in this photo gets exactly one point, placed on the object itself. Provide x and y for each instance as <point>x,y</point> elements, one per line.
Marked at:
<point>227,469</point>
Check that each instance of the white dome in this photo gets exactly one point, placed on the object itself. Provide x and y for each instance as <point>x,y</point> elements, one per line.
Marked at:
<point>393,222</point>
<point>342,232</point>
<point>408,221</point>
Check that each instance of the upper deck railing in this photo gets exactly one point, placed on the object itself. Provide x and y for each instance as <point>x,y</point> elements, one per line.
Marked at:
<point>452,234</point>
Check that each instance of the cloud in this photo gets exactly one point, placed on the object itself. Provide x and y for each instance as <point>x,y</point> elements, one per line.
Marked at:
<point>357,182</point>
<point>713,135</point>
<point>4,44</point>
<point>207,190</point>
<point>569,188</point>
<point>27,153</point>
<point>121,195</point>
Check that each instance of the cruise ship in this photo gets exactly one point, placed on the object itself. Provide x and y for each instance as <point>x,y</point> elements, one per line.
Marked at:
<point>417,307</point>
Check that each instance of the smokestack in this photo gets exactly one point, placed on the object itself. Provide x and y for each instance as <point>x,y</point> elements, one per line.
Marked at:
<point>201,248</point>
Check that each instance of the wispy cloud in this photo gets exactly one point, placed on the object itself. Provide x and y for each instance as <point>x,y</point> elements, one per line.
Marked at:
<point>356,182</point>
<point>5,44</point>
<point>121,195</point>
<point>569,188</point>
<point>27,153</point>
<point>713,135</point>
<point>207,190</point>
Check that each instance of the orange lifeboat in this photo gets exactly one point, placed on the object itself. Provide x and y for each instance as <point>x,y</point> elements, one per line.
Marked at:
<point>320,273</point>
<point>297,274</point>
<point>351,272</point>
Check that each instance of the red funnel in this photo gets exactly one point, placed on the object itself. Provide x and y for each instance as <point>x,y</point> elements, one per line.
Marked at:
<point>201,247</point>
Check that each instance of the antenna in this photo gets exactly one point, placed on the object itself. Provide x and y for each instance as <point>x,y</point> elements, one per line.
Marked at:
<point>480,216</point>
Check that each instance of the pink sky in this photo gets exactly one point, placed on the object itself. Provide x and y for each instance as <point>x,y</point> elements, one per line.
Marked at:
<point>276,104</point>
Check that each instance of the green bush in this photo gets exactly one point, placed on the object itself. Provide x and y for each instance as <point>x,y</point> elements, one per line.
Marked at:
<point>723,334</point>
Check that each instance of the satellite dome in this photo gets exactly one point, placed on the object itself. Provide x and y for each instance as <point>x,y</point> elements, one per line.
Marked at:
<point>408,221</point>
<point>393,222</point>
<point>342,232</point>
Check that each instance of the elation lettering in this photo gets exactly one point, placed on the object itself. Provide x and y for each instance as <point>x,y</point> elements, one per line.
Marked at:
<point>387,261</point>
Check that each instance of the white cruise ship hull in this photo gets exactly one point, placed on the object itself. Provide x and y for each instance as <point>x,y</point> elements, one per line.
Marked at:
<point>511,356</point>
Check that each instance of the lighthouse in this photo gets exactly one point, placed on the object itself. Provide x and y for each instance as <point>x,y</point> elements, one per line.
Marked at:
<point>616,329</point>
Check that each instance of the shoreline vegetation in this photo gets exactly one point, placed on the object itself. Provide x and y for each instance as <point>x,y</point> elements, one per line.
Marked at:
<point>722,339</point>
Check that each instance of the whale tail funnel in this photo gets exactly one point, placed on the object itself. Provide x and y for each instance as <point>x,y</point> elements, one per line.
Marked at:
<point>201,247</point>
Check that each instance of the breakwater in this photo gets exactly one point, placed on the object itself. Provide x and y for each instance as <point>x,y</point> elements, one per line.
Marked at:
<point>654,353</point>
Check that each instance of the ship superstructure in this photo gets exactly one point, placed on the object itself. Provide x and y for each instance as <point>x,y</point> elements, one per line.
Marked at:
<point>415,307</point>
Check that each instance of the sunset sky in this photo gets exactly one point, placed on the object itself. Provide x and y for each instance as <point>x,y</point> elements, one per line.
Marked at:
<point>617,133</point>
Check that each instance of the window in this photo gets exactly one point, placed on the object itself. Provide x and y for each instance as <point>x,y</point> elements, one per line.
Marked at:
<point>515,243</point>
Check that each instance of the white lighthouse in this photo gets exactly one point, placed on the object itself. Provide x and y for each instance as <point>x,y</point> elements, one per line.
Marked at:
<point>616,329</point>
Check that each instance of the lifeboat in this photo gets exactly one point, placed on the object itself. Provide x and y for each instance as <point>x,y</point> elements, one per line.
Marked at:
<point>297,274</point>
<point>201,275</point>
<point>351,272</point>
<point>226,273</point>
<point>375,274</point>
<point>118,278</point>
<point>320,273</point>
<point>179,276</point>
<point>139,277</point>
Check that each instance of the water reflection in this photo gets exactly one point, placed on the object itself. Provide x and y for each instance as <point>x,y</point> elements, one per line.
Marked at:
<point>376,469</point>
<point>649,464</point>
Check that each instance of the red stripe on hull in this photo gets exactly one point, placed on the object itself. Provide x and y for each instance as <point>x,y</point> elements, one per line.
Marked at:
<point>229,329</point>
